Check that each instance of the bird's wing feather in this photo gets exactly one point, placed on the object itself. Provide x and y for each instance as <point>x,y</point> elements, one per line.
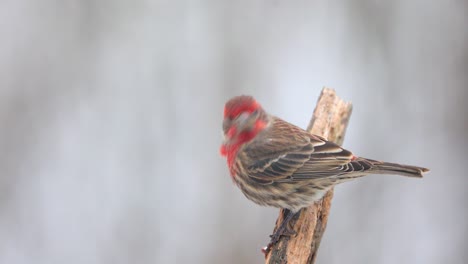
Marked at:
<point>284,152</point>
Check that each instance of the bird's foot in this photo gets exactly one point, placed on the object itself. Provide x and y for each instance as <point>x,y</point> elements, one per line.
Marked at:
<point>285,229</point>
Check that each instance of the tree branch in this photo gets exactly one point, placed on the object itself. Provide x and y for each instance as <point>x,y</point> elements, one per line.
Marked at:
<point>329,120</point>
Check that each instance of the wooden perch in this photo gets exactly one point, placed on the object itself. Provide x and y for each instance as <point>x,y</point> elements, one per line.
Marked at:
<point>329,120</point>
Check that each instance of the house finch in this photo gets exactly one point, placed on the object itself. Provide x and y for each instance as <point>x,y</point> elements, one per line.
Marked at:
<point>278,164</point>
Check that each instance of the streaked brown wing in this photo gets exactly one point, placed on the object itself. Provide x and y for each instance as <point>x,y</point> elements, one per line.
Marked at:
<point>284,152</point>
<point>327,160</point>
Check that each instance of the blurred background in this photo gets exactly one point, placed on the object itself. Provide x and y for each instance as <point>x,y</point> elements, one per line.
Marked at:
<point>110,118</point>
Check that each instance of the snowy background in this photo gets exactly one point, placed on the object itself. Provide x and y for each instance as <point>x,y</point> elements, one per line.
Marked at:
<point>110,125</point>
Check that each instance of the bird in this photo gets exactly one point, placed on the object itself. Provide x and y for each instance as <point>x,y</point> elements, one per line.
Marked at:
<point>275,163</point>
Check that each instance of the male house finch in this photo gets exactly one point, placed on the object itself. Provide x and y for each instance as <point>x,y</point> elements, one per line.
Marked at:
<point>278,164</point>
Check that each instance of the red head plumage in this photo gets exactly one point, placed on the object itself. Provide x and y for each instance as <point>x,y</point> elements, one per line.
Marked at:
<point>244,118</point>
<point>240,104</point>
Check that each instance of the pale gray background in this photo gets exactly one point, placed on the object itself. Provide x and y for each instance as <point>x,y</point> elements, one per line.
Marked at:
<point>110,117</point>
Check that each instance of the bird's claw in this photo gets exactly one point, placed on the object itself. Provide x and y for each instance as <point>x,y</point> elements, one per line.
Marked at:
<point>284,230</point>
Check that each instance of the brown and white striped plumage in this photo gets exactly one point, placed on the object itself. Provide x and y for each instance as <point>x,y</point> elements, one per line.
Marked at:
<point>278,164</point>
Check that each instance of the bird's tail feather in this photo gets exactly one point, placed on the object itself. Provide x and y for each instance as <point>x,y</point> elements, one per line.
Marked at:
<point>379,167</point>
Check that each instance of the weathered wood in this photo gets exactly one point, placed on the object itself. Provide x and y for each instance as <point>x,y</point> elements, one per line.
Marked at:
<point>329,120</point>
